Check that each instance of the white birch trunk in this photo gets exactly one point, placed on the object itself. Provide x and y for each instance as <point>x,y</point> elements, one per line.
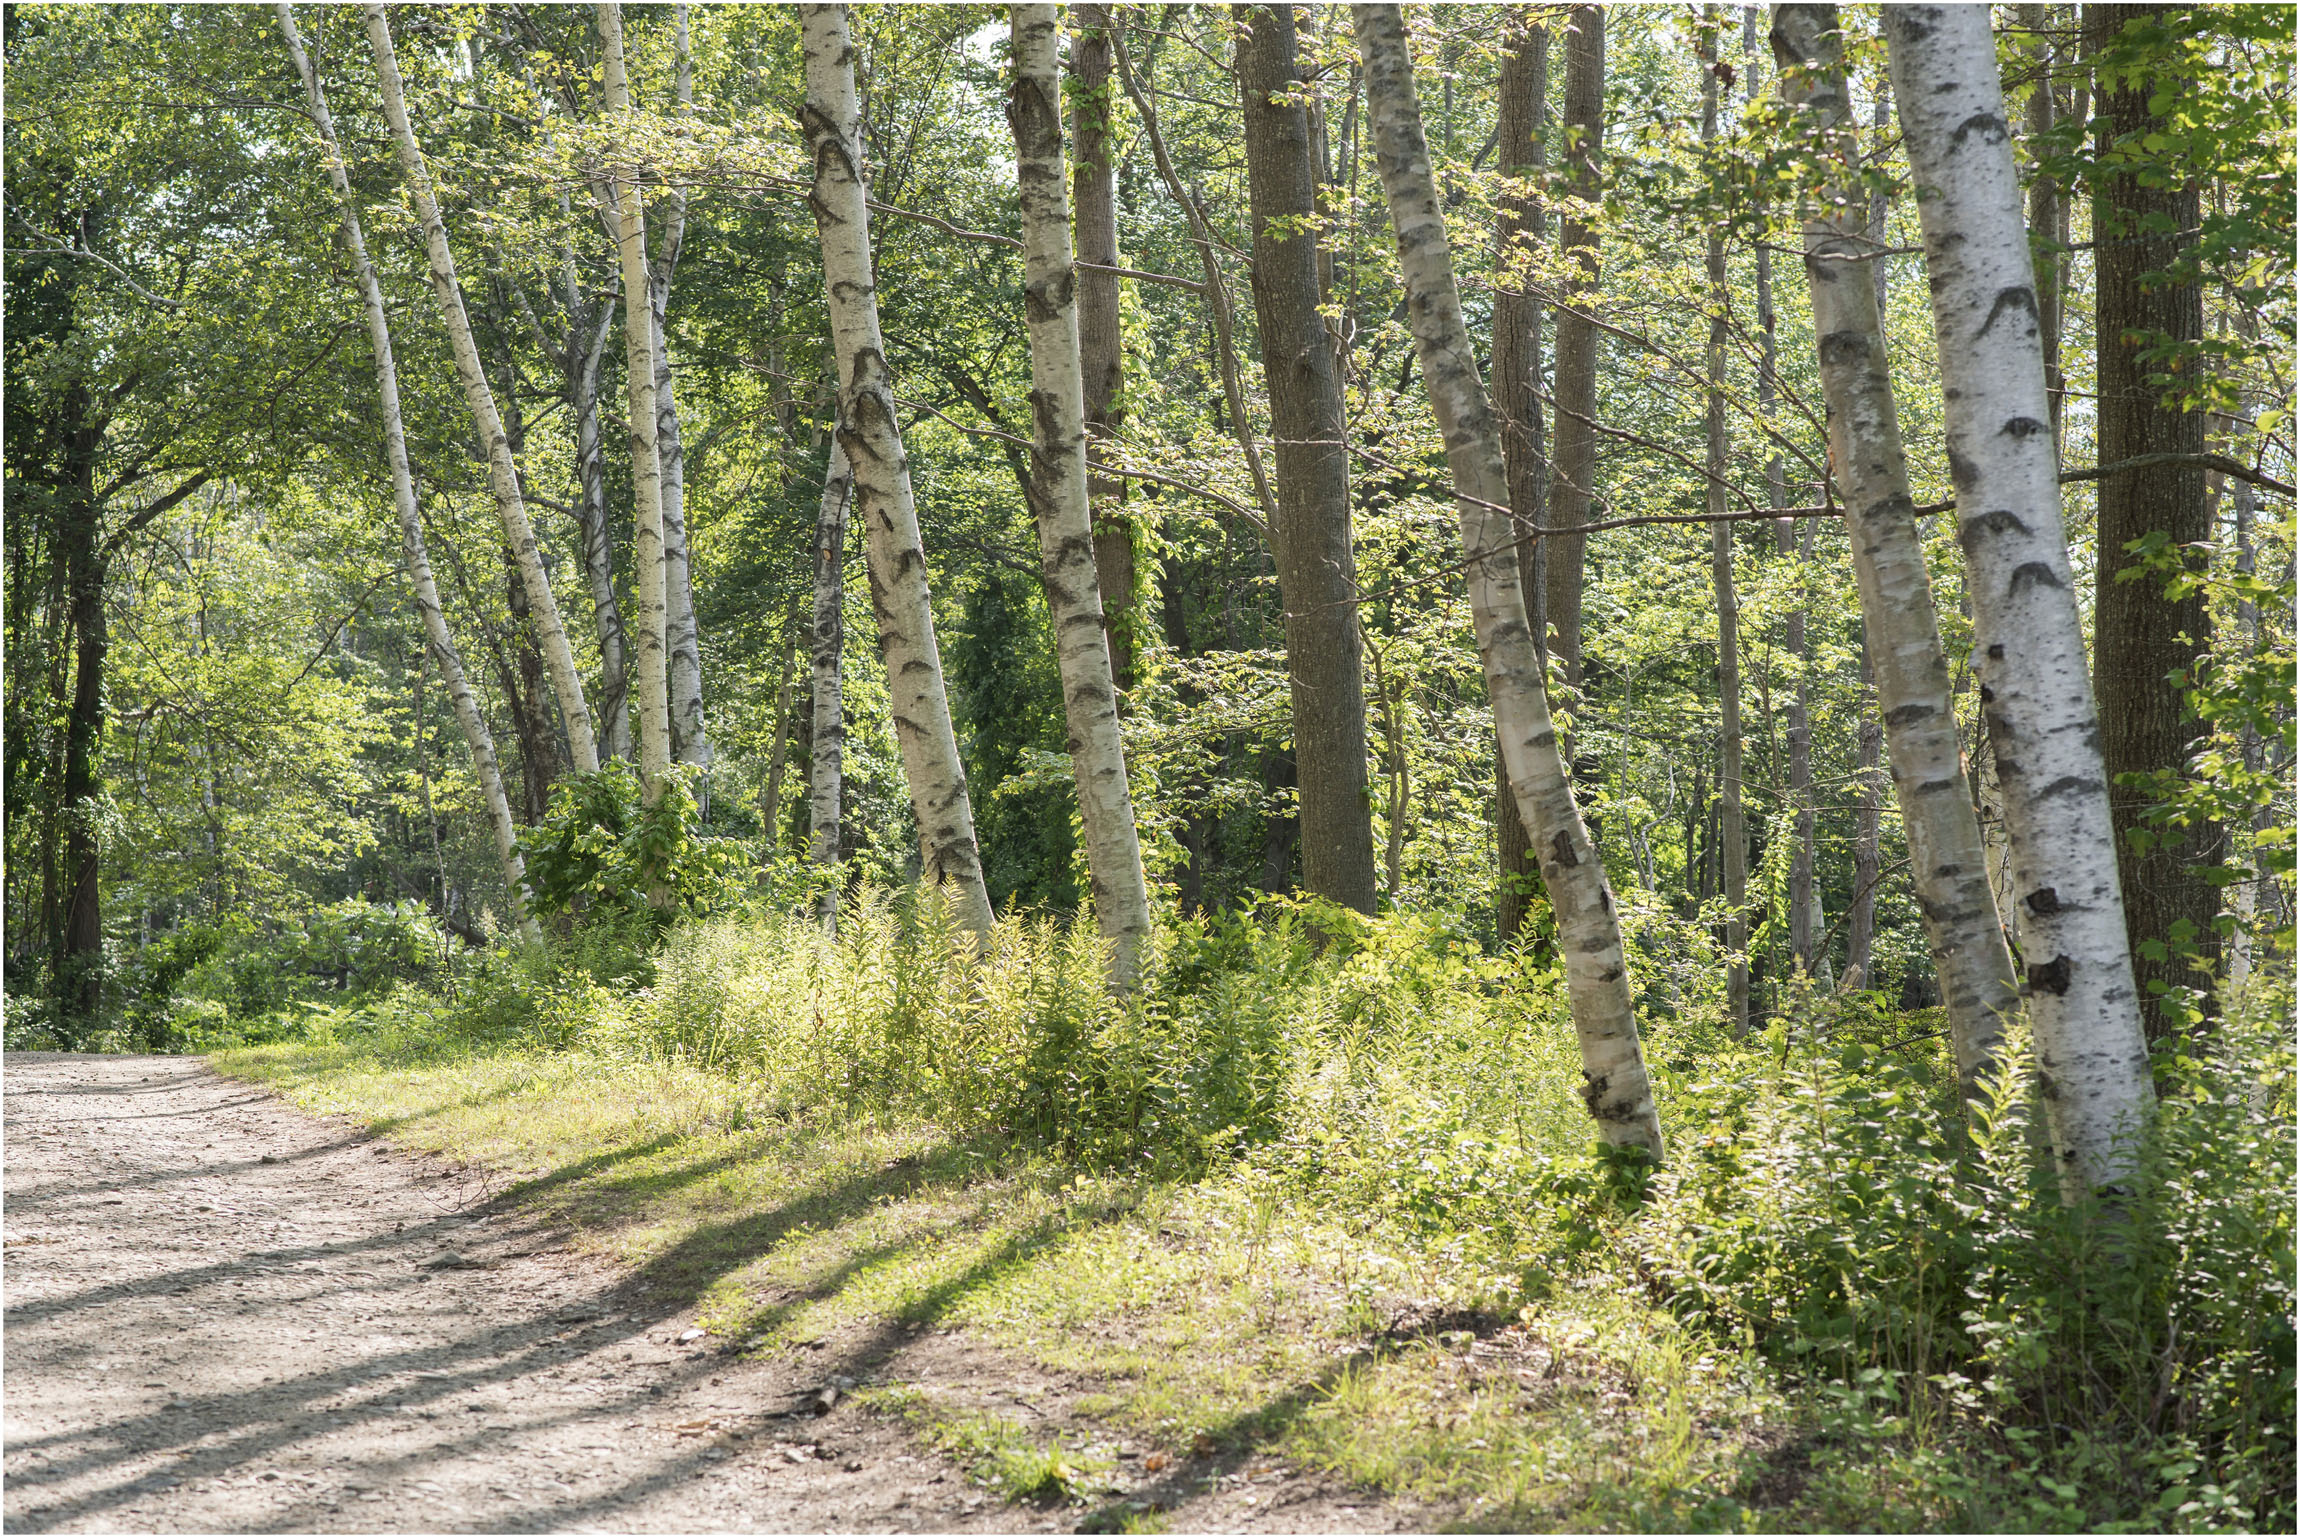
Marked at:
<point>591,517</point>
<point>653,703</point>
<point>869,429</point>
<point>683,642</point>
<point>1059,497</point>
<point>1616,1087</point>
<point>830,734</point>
<point>2028,649</point>
<point>475,733</point>
<point>502,474</point>
<point>1947,861</point>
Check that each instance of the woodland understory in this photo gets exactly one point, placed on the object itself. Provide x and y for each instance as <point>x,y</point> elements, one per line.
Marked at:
<point>1619,676</point>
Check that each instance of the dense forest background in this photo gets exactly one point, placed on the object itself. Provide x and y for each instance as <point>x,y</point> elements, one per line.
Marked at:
<point>240,797</point>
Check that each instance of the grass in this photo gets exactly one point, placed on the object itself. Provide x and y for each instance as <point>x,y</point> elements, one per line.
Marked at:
<point>1215,1320</point>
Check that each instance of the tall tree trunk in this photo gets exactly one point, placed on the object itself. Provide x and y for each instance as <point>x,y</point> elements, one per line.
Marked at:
<point>682,640</point>
<point>828,741</point>
<point>1947,863</point>
<point>502,473</point>
<point>1519,228</point>
<point>1789,542</point>
<point>2044,214</point>
<point>1101,343</point>
<point>2141,638</point>
<point>476,735</point>
<point>1617,1090</point>
<point>2028,645</point>
<point>1733,826</point>
<point>1059,498</point>
<point>649,575</point>
<point>1317,566</point>
<point>873,440</point>
<point>79,965</point>
<point>530,704</point>
<point>584,357</point>
<point>1574,461</point>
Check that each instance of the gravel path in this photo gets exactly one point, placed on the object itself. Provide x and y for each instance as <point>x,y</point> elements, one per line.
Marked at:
<point>224,1315</point>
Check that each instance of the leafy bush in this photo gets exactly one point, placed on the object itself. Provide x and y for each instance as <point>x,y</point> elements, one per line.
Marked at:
<point>604,852</point>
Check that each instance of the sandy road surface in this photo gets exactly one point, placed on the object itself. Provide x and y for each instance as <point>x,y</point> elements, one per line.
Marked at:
<point>224,1315</point>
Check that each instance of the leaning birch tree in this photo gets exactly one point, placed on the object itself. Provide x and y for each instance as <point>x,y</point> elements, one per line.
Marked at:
<point>502,473</point>
<point>1616,1087</point>
<point>832,121</point>
<point>1947,863</point>
<point>827,761</point>
<point>648,641</point>
<point>2028,641</point>
<point>1058,498</point>
<point>467,714</point>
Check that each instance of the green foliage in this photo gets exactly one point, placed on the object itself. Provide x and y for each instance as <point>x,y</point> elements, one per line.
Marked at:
<point>604,850</point>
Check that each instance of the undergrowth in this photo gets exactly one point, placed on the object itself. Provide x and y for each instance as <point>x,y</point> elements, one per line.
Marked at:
<point>1844,1300</point>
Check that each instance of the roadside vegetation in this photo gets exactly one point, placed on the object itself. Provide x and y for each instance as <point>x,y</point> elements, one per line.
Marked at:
<point>1334,1202</point>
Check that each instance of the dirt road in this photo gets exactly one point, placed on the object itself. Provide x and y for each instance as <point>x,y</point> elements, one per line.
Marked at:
<point>223,1315</point>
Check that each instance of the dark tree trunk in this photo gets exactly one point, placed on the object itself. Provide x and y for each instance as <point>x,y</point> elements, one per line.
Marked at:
<point>1576,392</point>
<point>1094,199</point>
<point>531,707</point>
<point>2141,637</point>
<point>1317,569</point>
<point>1517,403</point>
<point>79,971</point>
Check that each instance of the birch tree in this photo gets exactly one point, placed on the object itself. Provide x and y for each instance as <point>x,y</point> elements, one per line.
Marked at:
<point>1616,1088</point>
<point>1947,862</point>
<point>502,473</point>
<point>682,639</point>
<point>442,642</point>
<point>832,121</point>
<point>1059,500</point>
<point>2028,649</point>
<point>649,641</point>
<point>828,749</point>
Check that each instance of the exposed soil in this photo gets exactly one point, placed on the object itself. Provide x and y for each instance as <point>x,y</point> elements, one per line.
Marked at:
<point>225,1315</point>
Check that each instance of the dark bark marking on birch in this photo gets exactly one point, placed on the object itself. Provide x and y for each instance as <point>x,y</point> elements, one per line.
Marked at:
<point>2052,977</point>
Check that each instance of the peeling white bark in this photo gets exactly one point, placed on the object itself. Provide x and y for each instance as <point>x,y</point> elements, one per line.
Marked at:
<point>2028,648</point>
<point>868,428</point>
<point>467,714</point>
<point>648,644</point>
<point>1616,1086</point>
<point>1059,499</point>
<point>1947,864</point>
<point>502,474</point>
<point>683,642</point>
<point>830,629</point>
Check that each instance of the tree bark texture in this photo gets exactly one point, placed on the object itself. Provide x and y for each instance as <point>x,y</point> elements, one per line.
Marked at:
<point>1519,228</point>
<point>1947,864</point>
<point>502,473</point>
<point>2028,644</point>
<point>1101,341</point>
<point>869,430</point>
<point>1615,1086</point>
<point>682,639</point>
<point>442,643</point>
<point>2142,640</point>
<point>591,522</point>
<point>828,744</point>
<point>1058,497</point>
<point>1574,458</point>
<point>1317,566</point>
<point>1733,825</point>
<point>650,640</point>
